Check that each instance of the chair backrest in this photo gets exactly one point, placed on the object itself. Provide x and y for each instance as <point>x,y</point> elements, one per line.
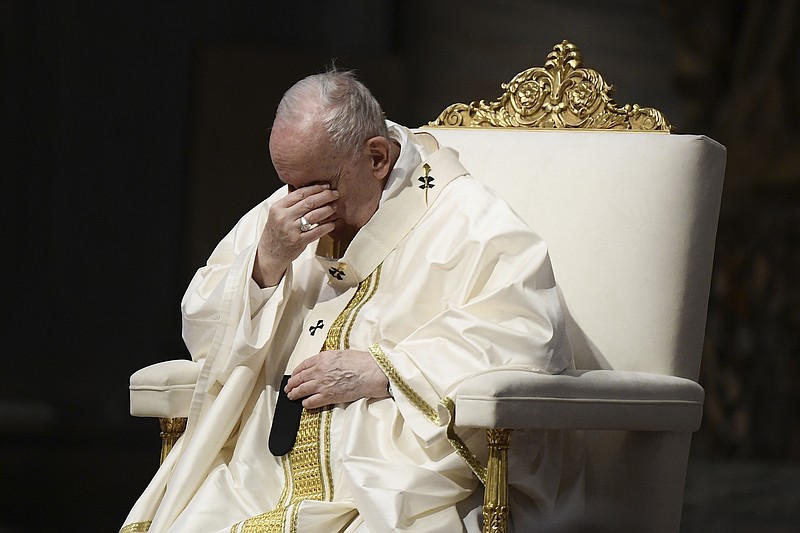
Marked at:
<point>629,212</point>
<point>630,216</point>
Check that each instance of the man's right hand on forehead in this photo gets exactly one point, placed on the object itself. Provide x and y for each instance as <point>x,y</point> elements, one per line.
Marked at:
<point>283,238</point>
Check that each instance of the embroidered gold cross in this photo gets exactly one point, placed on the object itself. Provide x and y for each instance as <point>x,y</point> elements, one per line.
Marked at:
<point>427,181</point>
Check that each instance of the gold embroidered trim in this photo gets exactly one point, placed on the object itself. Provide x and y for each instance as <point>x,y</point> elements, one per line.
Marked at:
<point>307,467</point>
<point>303,474</point>
<point>459,445</point>
<point>398,383</point>
<point>365,291</point>
<point>287,474</point>
<point>268,523</point>
<point>309,463</point>
<point>372,283</point>
<point>326,435</point>
<point>272,521</point>
<point>137,527</point>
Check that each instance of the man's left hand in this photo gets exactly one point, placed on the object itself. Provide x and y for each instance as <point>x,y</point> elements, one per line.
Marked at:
<point>337,376</point>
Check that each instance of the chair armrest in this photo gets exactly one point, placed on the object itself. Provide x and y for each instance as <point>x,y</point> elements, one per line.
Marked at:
<point>579,399</point>
<point>164,390</point>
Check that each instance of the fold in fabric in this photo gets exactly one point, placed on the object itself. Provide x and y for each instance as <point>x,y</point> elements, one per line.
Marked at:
<point>449,285</point>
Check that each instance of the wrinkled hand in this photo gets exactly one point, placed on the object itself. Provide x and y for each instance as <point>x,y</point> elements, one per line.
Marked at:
<point>282,241</point>
<point>337,376</point>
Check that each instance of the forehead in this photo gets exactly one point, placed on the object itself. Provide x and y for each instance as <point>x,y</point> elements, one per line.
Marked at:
<point>302,154</point>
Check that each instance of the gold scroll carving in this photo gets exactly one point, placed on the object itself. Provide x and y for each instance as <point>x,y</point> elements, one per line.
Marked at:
<point>562,94</point>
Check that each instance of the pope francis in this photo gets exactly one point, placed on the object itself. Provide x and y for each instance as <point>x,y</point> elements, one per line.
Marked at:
<point>334,322</point>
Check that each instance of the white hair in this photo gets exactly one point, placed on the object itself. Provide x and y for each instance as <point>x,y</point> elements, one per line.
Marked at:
<point>349,112</point>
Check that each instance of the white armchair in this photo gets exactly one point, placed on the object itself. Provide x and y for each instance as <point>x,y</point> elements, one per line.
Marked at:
<point>630,220</point>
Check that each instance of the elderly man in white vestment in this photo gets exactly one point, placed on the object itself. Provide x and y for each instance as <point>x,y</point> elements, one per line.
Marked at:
<point>378,278</point>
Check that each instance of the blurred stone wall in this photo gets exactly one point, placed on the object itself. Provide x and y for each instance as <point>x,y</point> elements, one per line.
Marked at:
<point>738,73</point>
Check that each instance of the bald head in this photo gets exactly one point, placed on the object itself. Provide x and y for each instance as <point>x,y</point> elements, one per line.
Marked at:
<point>302,152</point>
<point>330,130</point>
<point>340,104</point>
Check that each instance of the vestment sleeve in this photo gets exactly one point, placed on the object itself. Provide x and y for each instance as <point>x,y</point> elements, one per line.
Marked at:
<point>258,296</point>
<point>226,316</point>
<point>478,293</point>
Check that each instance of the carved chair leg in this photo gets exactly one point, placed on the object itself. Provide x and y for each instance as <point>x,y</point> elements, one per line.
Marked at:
<point>171,430</point>
<point>495,496</point>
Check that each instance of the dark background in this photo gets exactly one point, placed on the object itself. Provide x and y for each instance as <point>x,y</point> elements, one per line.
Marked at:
<point>134,134</point>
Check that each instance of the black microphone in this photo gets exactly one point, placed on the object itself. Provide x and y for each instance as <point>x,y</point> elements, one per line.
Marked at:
<point>285,422</point>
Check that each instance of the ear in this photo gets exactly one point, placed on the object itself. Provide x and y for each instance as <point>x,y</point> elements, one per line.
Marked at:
<point>379,156</point>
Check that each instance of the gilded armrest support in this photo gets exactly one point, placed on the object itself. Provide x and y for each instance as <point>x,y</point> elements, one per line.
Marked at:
<point>171,430</point>
<point>495,496</point>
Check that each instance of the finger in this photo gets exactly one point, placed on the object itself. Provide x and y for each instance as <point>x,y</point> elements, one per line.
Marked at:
<point>298,195</point>
<point>321,214</point>
<point>295,381</point>
<point>303,372</point>
<point>315,193</point>
<point>287,220</point>
<point>305,364</point>
<point>312,235</point>
<point>306,204</point>
<point>307,388</point>
<point>315,401</point>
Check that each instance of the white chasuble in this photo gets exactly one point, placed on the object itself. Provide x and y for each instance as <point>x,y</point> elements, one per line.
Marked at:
<point>444,281</point>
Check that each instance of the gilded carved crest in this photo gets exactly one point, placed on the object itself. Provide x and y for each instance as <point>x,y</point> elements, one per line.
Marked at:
<point>562,94</point>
